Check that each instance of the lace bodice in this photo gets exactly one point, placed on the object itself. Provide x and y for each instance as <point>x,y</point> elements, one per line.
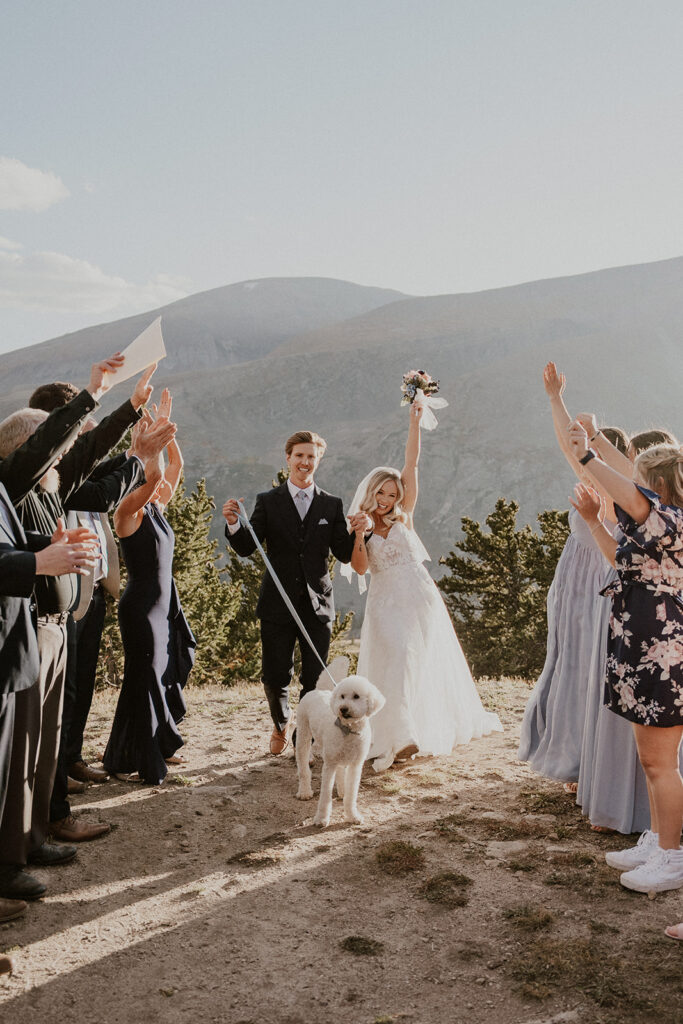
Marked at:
<point>402,546</point>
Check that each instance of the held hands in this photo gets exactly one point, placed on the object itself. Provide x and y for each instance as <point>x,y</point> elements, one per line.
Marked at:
<point>589,504</point>
<point>553,382</point>
<point>143,389</point>
<point>360,523</point>
<point>69,551</point>
<point>231,510</point>
<point>98,375</point>
<point>578,439</point>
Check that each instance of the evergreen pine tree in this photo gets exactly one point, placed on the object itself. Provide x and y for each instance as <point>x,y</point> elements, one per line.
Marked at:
<point>496,590</point>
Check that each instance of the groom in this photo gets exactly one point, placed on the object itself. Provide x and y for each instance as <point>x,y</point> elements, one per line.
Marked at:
<point>300,525</point>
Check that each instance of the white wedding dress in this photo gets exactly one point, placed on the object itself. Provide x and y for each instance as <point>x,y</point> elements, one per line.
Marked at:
<point>409,650</point>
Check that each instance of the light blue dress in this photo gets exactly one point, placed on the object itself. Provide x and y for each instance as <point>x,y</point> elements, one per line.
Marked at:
<point>553,724</point>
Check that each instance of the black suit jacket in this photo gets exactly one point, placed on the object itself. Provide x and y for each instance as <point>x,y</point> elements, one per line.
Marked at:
<point>298,551</point>
<point>19,662</point>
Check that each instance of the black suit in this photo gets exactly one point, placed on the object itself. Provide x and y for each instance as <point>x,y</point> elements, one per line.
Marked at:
<point>19,662</point>
<point>298,551</point>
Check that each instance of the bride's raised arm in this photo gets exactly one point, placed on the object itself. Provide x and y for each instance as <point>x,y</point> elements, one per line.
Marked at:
<point>412,457</point>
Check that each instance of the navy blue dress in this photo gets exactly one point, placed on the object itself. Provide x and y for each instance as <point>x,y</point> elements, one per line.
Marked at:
<point>158,650</point>
<point>645,642</point>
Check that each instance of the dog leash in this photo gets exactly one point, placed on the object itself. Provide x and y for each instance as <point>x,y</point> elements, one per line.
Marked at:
<point>244,521</point>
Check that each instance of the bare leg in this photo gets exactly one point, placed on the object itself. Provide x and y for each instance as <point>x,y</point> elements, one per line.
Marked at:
<point>351,787</point>
<point>658,753</point>
<point>324,811</point>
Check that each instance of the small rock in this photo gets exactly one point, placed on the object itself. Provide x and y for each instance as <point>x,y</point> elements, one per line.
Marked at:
<point>6,965</point>
<point>506,847</point>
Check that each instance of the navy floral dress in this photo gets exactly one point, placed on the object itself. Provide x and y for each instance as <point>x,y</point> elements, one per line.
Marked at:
<point>645,644</point>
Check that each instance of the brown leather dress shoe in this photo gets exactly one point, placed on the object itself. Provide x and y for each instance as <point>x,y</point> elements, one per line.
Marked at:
<point>9,909</point>
<point>279,739</point>
<point>74,787</point>
<point>69,830</point>
<point>83,772</point>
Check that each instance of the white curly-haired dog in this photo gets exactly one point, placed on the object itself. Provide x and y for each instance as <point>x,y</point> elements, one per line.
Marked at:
<point>337,721</point>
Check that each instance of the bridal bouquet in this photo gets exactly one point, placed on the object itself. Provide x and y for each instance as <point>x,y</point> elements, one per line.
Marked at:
<point>418,387</point>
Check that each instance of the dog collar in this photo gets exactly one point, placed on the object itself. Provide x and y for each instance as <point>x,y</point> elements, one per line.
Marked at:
<point>346,729</point>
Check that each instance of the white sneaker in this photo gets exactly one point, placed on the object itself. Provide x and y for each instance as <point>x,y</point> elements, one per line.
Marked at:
<point>663,870</point>
<point>633,856</point>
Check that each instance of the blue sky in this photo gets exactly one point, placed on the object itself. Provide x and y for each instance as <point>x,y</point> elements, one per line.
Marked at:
<point>155,149</point>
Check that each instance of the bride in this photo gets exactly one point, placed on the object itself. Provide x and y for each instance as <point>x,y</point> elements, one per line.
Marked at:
<point>408,647</point>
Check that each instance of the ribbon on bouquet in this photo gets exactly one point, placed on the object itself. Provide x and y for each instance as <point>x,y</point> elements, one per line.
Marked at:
<point>428,403</point>
<point>244,521</point>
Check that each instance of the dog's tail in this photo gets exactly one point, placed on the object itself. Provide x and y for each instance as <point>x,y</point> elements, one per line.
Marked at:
<point>337,669</point>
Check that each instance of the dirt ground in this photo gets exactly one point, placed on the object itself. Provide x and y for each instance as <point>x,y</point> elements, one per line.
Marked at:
<point>473,892</point>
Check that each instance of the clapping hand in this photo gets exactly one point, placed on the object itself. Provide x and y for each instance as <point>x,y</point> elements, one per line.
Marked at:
<point>150,436</point>
<point>553,382</point>
<point>578,439</point>
<point>589,504</point>
<point>69,551</point>
<point>142,391</point>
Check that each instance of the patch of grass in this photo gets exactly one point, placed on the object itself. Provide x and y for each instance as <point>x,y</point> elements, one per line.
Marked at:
<point>359,945</point>
<point>254,859</point>
<point>389,786</point>
<point>636,984</point>
<point>449,827</point>
<point>399,858</point>
<point>472,951</point>
<point>179,780</point>
<point>528,863</point>
<point>430,778</point>
<point>547,802</point>
<point>529,917</point>
<point>447,888</point>
<point>574,858</point>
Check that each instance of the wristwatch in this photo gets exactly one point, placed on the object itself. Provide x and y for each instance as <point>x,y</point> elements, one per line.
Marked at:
<point>590,454</point>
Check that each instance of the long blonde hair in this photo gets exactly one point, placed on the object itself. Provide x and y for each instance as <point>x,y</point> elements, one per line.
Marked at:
<point>663,464</point>
<point>368,502</point>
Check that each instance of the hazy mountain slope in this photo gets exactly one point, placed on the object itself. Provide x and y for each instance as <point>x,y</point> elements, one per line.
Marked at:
<point>211,329</point>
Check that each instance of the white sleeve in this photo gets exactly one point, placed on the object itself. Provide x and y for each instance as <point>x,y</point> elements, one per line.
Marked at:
<point>232,527</point>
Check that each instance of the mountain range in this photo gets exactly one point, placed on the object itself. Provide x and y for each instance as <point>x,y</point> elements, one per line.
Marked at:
<point>251,362</point>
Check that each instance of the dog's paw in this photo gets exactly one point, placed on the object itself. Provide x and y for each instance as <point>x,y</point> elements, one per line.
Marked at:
<point>322,820</point>
<point>304,794</point>
<point>354,818</point>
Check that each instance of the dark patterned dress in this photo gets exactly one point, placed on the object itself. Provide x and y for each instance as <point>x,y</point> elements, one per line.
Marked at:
<point>645,645</point>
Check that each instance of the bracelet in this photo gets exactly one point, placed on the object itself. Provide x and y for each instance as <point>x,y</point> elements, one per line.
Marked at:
<point>597,526</point>
<point>595,435</point>
<point>590,454</point>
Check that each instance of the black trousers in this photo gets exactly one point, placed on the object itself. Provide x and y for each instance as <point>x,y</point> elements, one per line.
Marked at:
<point>278,642</point>
<point>6,728</point>
<point>83,648</point>
<point>88,639</point>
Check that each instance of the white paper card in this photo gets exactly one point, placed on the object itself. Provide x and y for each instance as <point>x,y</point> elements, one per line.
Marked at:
<point>146,349</point>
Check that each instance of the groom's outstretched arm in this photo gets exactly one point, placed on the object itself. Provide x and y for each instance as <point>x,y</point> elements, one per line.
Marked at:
<point>341,544</point>
<point>240,539</point>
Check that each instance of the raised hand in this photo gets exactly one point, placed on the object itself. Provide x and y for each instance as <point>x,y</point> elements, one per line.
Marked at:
<point>360,523</point>
<point>231,510</point>
<point>589,423</point>
<point>554,382</point>
<point>589,504</point>
<point>98,375</point>
<point>578,439</point>
<point>142,391</point>
<point>165,405</point>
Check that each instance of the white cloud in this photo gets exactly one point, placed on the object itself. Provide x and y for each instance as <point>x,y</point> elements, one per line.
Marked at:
<point>27,188</point>
<point>54,281</point>
<point>8,245</point>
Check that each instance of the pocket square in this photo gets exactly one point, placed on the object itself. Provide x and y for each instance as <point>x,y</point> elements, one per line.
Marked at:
<point>323,522</point>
